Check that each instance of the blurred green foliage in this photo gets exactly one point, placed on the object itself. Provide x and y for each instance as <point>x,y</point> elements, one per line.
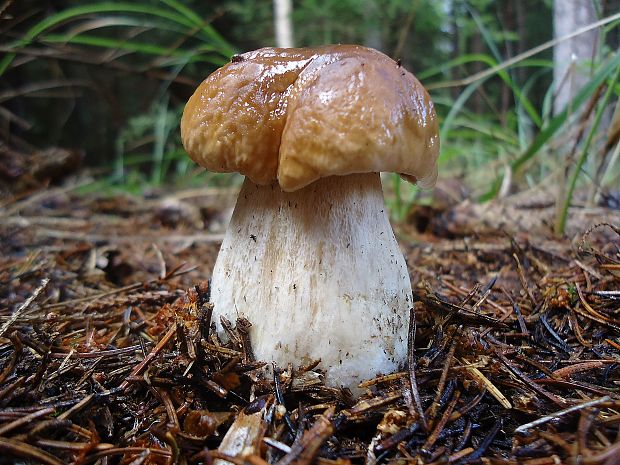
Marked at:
<point>111,78</point>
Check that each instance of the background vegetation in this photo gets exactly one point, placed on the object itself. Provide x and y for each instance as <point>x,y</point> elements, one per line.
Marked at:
<point>111,79</point>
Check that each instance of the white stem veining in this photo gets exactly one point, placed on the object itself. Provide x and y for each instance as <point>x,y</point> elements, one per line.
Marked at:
<point>319,274</point>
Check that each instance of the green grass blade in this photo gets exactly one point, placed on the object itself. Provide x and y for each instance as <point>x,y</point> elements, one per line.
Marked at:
<point>521,98</point>
<point>560,223</point>
<point>453,63</point>
<point>457,106</point>
<point>193,55</point>
<point>527,86</point>
<point>557,122</point>
<point>475,57</point>
<point>397,207</point>
<point>543,137</point>
<point>160,134</point>
<point>102,22</point>
<point>209,31</point>
<point>486,34</point>
<point>97,8</point>
<point>185,11</point>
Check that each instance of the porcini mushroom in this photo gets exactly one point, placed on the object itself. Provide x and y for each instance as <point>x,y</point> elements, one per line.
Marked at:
<point>309,257</point>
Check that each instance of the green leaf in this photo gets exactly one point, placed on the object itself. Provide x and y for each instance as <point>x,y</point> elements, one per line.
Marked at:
<point>557,122</point>
<point>104,7</point>
<point>193,55</point>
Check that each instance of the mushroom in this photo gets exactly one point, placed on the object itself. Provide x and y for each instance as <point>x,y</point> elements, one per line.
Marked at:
<point>309,257</point>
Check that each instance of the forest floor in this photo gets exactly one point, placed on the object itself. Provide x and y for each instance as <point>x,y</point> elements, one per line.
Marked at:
<point>106,353</point>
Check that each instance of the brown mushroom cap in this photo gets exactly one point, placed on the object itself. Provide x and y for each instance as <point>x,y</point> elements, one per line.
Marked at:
<point>297,115</point>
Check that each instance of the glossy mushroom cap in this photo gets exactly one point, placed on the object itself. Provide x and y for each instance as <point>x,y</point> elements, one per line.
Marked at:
<point>297,115</point>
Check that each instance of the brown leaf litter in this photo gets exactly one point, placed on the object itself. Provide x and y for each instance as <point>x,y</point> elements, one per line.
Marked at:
<point>107,354</point>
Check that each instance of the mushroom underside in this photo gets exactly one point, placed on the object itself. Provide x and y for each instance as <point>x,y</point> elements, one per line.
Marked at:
<point>319,274</point>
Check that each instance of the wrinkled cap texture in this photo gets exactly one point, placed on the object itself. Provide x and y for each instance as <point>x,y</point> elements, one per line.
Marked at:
<point>296,115</point>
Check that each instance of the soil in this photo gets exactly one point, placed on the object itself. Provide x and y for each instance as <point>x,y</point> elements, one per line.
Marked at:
<point>107,353</point>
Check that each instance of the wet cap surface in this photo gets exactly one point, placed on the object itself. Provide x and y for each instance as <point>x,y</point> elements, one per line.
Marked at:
<point>297,115</point>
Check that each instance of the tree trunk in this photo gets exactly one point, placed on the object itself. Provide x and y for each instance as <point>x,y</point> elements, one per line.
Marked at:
<point>477,48</point>
<point>282,23</point>
<point>569,56</point>
<point>456,48</point>
<point>522,12</point>
<point>372,25</point>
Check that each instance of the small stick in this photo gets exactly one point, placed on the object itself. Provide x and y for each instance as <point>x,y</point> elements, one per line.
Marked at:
<point>585,423</point>
<point>280,398</point>
<point>493,390</point>
<point>72,354</point>
<point>568,371</point>
<point>17,349</point>
<point>383,379</point>
<point>460,454</point>
<point>604,455</point>
<point>131,287</point>
<point>392,441</point>
<point>521,274</point>
<point>143,364</point>
<point>486,291</point>
<point>25,419</point>
<point>598,320</point>
<point>574,324</point>
<point>77,446</point>
<point>222,350</point>
<point>561,342</point>
<point>484,445</point>
<point>243,329</point>
<point>465,435</point>
<point>24,450</point>
<point>170,410</point>
<point>467,407</point>
<point>249,459</point>
<point>442,381</point>
<point>127,450</point>
<point>589,308</point>
<point>77,407</point>
<point>277,445</point>
<point>161,260</point>
<point>517,311</point>
<point>214,238</point>
<point>539,421</point>
<point>304,451</point>
<point>413,385</point>
<point>519,375</point>
<point>23,306</point>
<point>442,423</point>
<point>366,405</point>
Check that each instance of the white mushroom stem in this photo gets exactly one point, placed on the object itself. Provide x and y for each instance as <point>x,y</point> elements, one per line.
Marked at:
<point>319,274</point>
